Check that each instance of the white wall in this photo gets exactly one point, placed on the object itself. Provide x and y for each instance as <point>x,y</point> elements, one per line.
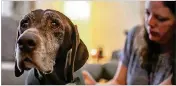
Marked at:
<point>6,8</point>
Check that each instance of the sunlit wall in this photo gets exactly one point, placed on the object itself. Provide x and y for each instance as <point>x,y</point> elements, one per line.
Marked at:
<point>108,22</point>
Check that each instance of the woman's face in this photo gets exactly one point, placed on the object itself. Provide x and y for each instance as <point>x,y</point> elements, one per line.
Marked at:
<point>159,21</point>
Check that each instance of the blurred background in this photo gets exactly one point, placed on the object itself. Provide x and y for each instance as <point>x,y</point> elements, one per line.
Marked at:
<point>102,26</point>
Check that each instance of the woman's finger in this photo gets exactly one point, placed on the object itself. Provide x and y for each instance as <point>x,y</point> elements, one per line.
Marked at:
<point>88,79</point>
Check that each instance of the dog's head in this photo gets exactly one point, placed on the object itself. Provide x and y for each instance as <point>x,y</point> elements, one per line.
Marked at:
<point>42,34</point>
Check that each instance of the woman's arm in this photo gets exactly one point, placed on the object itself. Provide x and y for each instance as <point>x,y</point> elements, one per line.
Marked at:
<point>121,73</point>
<point>120,76</point>
<point>167,81</point>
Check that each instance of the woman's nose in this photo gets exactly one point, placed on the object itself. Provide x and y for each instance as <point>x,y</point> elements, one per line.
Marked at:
<point>151,21</point>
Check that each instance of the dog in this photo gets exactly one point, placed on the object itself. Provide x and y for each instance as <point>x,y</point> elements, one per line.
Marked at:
<point>48,45</point>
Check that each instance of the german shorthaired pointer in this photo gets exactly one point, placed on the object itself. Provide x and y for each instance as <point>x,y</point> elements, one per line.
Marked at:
<point>48,45</point>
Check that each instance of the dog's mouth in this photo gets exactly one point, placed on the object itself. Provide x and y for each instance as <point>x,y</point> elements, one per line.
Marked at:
<point>29,60</point>
<point>28,63</point>
<point>26,68</point>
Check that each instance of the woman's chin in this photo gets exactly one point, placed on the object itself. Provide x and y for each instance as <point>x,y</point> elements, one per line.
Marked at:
<point>155,39</point>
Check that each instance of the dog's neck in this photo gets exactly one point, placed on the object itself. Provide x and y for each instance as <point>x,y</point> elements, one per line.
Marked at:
<point>58,74</point>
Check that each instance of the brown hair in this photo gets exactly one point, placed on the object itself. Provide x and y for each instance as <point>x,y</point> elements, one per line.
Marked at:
<point>149,50</point>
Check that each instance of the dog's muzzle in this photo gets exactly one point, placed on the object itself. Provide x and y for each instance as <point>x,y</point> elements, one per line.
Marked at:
<point>27,42</point>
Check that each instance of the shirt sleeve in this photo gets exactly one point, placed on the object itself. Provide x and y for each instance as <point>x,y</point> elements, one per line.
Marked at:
<point>126,52</point>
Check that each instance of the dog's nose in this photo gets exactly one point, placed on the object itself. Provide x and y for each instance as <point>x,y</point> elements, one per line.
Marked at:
<point>27,42</point>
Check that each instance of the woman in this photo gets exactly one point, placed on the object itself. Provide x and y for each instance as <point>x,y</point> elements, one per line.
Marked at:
<point>148,52</point>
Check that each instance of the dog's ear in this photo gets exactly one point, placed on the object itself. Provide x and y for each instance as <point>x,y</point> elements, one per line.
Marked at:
<point>79,51</point>
<point>81,56</point>
<point>77,56</point>
<point>18,72</point>
<point>75,44</point>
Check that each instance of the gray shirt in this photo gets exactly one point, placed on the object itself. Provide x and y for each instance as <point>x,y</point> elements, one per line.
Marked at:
<point>137,75</point>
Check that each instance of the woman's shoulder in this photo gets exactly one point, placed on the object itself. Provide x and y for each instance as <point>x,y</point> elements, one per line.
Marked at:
<point>135,30</point>
<point>134,35</point>
<point>128,50</point>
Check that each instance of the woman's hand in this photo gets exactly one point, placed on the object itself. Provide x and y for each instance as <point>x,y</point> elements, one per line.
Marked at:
<point>167,81</point>
<point>88,79</point>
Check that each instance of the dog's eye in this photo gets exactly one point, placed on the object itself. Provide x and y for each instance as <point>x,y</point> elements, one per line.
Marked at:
<point>24,24</point>
<point>55,23</point>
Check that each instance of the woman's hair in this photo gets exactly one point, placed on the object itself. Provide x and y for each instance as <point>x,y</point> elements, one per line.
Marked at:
<point>171,5</point>
<point>149,50</point>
